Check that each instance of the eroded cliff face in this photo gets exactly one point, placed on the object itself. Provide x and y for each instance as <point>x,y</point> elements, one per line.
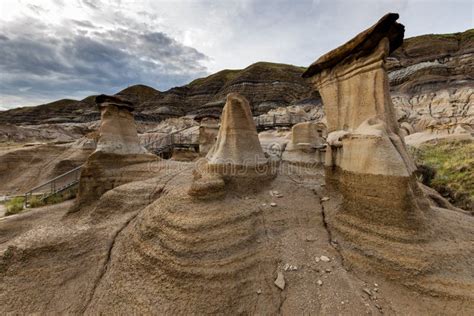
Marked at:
<point>431,79</point>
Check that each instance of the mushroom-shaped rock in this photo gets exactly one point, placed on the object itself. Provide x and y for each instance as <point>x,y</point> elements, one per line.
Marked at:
<point>118,133</point>
<point>367,158</point>
<point>118,159</point>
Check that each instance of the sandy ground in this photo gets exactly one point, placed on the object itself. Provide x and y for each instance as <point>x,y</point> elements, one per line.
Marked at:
<point>135,252</point>
<point>3,209</point>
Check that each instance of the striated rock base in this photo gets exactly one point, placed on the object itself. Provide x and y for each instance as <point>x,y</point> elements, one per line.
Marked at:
<point>105,171</point>
<point>365,197</point>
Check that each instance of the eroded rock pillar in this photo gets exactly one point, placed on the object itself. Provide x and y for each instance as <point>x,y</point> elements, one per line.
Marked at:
<point>366,158</point>
<point>236,154</point>
<point>118,133</point>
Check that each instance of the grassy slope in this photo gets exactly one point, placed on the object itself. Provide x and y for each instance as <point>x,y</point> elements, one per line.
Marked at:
<point>454,165</point>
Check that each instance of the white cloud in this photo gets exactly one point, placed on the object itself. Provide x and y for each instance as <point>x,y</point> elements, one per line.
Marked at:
<point>233,34</point>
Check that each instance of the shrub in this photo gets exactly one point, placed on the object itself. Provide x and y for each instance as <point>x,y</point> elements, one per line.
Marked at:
<point>35,201</point>
<point>54,199</point>
<point>15,205</point>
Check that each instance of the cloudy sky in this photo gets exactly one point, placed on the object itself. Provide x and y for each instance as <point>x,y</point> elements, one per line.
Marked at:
<point>53,49</point>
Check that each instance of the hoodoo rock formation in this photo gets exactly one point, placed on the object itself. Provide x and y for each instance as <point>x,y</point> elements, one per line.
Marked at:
<point>307,143</point>
<point>118,158</point>
<point>385,220</point>
<point>146,236</point>
<point>237,152</point>
<point>118,134</point>
<point>366,156</point>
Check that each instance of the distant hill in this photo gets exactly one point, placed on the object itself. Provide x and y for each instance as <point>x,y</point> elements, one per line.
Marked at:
<point>422,63</point>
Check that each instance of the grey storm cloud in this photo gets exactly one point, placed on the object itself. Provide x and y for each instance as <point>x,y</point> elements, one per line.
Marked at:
<point>48,65</point>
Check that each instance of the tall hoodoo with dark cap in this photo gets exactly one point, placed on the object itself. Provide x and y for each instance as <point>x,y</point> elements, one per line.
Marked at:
<point>366,157</point>
<point>118,133</point>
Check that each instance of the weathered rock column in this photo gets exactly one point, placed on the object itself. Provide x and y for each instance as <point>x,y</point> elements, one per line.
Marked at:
<point>307,144</point>
<point>236,154</point>
<point>118,133</point>
<point>366,157</point>
<point>208,130</point>
<point>119,157</point>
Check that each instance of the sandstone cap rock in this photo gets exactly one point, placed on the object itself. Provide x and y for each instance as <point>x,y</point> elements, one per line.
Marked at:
<point>103,100</point>
<point>364,43</point>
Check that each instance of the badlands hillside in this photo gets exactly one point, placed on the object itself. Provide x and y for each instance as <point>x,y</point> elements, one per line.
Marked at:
<point>431,82</point>
<point>301,196</point>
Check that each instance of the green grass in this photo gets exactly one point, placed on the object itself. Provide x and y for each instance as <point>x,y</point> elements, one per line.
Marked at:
<point>35,201</point>
<point>15,205</point>
<point>453,163</point>
<point>268,69</point>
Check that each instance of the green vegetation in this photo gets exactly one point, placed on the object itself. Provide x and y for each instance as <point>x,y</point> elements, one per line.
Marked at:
<point>15,205</point>
<point>262,69</point>
<point>453,166</point>
<point>61,197</point>
<point>224,75</point>
<point>468,35</point>
<point>35,201</point>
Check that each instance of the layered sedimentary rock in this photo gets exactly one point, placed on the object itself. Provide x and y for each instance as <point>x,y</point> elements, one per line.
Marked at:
<point>119,157</point>
<point>366,156</point>
<point>432,86</point>
<point>208,130</point>
<point>385,221</point>
<point>237,152</point>
<point>117,133</point>
<point>307,143</point>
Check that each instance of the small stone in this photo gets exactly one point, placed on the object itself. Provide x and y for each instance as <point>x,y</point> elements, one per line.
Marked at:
<point>273,204</point>
<point>376,285</point>
<point>264,204</point>
<point>323,184</point>
<point>342,302</point>
<point>328,270</point>
<point>375,290</point>
<point>286,267</point>
<point>367,291</point>
<point>259,291</point>
<point>325,259</point>
<point>320,282</point>
<point>324,199</point>
<point>378,306</point>
<point>317,259</point>
<point>280,281</point>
